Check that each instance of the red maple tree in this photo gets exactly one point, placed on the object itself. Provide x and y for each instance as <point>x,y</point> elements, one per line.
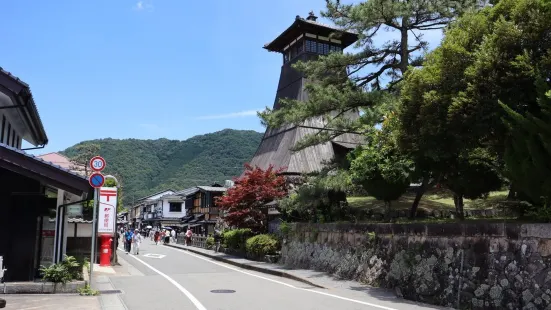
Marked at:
<point>243,203</point>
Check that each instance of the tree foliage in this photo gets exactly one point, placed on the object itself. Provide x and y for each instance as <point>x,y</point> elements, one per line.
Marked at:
<point>449,108</point>
<point>528,149</point>
<point>149,166</point>
<point>82,155</point>
<point>320,198</point>
<point>380,167</point>
<point>242,204</point>
<point>344,83</point>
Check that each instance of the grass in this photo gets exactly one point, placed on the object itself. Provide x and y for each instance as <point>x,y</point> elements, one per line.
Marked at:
<point>432,200</point>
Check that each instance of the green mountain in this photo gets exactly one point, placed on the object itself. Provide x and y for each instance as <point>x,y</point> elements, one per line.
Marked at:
<point>148,166</point>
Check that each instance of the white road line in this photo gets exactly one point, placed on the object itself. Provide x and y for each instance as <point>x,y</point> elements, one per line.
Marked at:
<point>192,298</point>
<point>282,283</point>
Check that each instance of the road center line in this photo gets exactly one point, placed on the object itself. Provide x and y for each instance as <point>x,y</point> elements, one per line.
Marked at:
<point>282,283</point>
<point>182,289</point>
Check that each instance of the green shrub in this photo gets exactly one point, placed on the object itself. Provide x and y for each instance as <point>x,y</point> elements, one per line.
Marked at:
<point>236,238</point>
<point>63,272</point>
<point>263,245</point>
<point>210,242</point>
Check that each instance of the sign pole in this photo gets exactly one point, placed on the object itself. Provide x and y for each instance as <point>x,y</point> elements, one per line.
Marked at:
<point>94,232</point>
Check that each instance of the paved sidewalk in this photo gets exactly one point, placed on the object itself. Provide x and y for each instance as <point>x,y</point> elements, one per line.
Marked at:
<point>51,302</point>
<point>109,297</point>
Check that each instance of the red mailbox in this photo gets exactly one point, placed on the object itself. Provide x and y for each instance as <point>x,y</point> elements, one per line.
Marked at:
<point>105,254</point>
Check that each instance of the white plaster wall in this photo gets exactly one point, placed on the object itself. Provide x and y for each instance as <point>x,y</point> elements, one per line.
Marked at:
<point>167,213</point>
<point>83,230</point>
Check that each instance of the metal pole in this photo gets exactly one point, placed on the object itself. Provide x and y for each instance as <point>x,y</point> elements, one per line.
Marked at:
<point>94,232</point>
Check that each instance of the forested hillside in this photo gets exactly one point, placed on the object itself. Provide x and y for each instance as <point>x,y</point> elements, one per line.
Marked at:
<point>147,166</point>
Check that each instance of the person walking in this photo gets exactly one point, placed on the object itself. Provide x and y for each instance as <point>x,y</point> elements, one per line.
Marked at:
<point>128,240</point>
<point>167,236</point>
<point>156,237</point>
<point>173,236</point>
<point>189,234</point>
<point>136,242</point>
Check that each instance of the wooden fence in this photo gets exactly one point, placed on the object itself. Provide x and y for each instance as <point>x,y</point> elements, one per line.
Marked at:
<point>196,241</point>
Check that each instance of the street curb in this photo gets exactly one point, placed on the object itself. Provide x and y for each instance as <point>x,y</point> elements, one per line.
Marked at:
<point>250,267</point>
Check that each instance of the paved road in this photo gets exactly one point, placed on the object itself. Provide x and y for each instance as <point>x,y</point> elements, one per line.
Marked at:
<point>167,278</point>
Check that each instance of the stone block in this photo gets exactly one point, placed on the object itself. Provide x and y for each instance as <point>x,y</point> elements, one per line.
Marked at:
<point>536,231</point>
<point>23,288</point>
<point>544,247</point>
<point>48,288</point>
<point>70,287</point>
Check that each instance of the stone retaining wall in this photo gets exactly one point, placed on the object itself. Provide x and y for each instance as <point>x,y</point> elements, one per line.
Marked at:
<point>41,287</point>
<point>466,266</point>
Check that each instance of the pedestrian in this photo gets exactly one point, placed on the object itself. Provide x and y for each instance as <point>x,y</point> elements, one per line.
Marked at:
<point>128,240</point>
<point>173,236</point>
<point>217,239</point>
<point>157,237</point>
<point>136,241</point>
<point>167,236</point>
<point>189,234</point>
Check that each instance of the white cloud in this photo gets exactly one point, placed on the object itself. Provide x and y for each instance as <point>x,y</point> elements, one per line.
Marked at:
<point>230,115</point>
<point>143,5</point>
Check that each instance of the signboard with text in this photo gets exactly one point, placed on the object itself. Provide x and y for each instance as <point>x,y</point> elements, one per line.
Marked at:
<point>107,210</point>
<point>74,210</point>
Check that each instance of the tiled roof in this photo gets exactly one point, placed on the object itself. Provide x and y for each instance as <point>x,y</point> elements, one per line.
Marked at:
<point>31,101</point>
<point>212,189</point>
<point>187,191</point>
<point>157,193</point>
<point>41,160</point>
<point>63,161</point>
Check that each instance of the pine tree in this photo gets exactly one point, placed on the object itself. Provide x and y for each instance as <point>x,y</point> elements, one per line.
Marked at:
<point>528,151</point>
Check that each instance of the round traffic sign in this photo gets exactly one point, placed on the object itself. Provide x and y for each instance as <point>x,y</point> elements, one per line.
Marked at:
<point>97,163</point>
<point>97,179</point>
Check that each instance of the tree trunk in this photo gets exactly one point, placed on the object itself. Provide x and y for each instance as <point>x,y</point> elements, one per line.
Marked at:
<point>458,202</point>
<point>387,211</point>
<point>512,194</point>
<point>420,192</point>
<point>404,54</point>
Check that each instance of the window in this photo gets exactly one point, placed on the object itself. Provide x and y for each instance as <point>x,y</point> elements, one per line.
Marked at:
<point>323,48</point>
<point>311,46</point>
<point>13,138</point>
<point>175,207</point>
<point>300,47</point>
<point>3,129</point>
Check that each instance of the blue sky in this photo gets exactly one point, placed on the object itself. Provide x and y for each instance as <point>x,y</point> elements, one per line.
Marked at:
<point>146,69</point>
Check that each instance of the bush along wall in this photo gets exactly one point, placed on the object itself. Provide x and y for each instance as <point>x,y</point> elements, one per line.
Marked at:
<point>243,242</point>
<point>466,266</point>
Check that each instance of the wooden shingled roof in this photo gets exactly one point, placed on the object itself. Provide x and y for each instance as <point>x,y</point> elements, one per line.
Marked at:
<point>303,25</point>
<point>276,145</point>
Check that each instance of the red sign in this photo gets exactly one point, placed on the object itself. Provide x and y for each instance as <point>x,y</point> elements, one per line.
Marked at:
<point>97,163</point>
<point>48,233</point>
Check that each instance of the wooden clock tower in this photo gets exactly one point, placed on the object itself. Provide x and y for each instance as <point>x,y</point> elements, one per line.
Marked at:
<point>304,40</point>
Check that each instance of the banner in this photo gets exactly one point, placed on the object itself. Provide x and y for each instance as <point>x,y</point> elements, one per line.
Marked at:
<point>107,210</point>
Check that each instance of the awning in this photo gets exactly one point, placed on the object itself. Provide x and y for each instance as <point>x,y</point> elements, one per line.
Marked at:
<point>35,168</point>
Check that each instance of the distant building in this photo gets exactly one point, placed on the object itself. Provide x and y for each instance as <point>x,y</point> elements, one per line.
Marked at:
<point>200,203</point>
<point>148,210</point>
<point>64,162</point>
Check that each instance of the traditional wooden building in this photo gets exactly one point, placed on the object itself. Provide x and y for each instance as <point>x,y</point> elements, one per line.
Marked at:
<point>30,187</point>
<point>304,40</point>
<point>202,212</point>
